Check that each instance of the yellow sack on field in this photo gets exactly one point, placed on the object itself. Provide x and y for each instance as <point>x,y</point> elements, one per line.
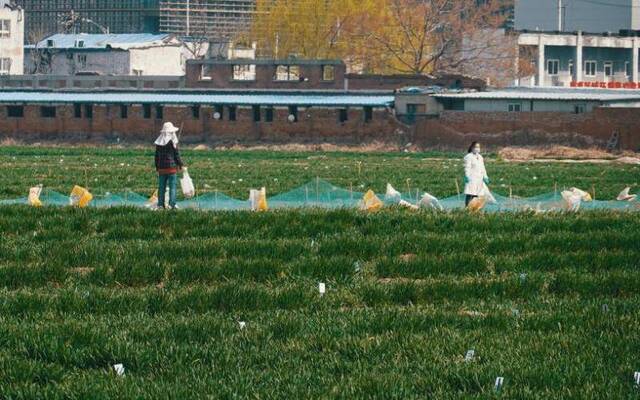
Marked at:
<point>80,197</point>
<point>34,196</point>
<point>153,200</point>
<point>258,199</point>
<point>371,202</point>
<point>477,204</point>
<point>585,196</point>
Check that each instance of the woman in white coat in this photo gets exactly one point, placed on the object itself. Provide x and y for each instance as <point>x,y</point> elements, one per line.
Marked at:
<point>475,175</point>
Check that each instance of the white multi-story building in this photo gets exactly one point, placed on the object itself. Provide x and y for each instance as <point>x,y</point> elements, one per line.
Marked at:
<point>11,39</point>
<point>114,54</point>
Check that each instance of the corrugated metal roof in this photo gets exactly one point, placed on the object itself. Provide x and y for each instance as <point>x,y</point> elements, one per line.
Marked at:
<point>565,94</point>
<point>275,99</point>
<point>101,41</point>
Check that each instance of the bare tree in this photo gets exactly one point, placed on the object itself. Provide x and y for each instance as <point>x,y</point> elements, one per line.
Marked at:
<point>423,36</point>
<point>40,56</point>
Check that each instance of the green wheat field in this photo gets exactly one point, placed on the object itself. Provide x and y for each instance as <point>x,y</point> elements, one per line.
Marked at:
<point>551,302</point>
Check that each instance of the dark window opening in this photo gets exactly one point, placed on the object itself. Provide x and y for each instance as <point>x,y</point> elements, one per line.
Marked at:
<point>368,114</point>
<point>268,114</point>
<point>48,112</point>
<point>124,112</point>
<point>77,110</point>
<point>232,113</point>
<point>195,112</point>
<point>159,112</point>
<point>344,115</point>
<point>15,111</point>
<point>146,111</point>
<point>88,111</point>
<point>256,114</point>
<point>219,110</point>
<point>293,113</point>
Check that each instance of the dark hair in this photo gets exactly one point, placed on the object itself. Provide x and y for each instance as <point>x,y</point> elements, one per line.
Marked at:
<point>473,144</point>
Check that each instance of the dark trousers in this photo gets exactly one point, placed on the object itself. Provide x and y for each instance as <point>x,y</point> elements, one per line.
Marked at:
<point>468,199</point>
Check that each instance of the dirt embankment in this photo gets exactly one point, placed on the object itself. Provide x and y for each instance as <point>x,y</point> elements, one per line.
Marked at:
<point>566,154</point>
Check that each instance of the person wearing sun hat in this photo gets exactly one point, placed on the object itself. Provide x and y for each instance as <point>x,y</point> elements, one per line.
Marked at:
<point>168,163</point>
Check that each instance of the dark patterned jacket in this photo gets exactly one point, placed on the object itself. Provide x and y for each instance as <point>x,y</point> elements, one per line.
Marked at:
<point>168,159</point>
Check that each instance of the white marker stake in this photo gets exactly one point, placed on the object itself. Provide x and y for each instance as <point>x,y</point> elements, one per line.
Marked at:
<point>322,288</point>
<point>469,356</point>
<point>523,278</point>
<point>499,382</point>
<point>636,377</point>
<point>119,368</point>
<point>242,325</point>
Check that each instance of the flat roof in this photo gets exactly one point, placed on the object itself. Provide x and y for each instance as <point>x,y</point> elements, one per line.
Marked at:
<point>328,99</point>
<point>105,41</point>
<point>561,94</point>
<point>265,61</point>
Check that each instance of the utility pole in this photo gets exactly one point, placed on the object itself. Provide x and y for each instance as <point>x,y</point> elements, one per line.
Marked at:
<point>560,24</point>
<point>188,17</point>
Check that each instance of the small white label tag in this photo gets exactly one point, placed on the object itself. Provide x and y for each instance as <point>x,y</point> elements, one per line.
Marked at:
<point>523,278</point>
<point>605,308</point>
<point>469,356</point>
<point>499,382</point>
<point>119,368</point>
<point>242,324</point>
<point>636,377</point>
<point>322,288</point>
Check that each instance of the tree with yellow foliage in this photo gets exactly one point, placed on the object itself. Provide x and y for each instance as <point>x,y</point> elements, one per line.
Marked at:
<point>400,36</point>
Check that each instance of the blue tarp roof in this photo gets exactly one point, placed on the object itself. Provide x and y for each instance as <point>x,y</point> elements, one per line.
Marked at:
<point>239,99</point>
<point>102,41</point>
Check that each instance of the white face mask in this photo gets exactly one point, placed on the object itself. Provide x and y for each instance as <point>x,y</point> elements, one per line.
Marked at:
<point>476,150</point>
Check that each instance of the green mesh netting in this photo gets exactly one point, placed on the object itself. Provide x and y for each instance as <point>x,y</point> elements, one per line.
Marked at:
<point>322,194</point>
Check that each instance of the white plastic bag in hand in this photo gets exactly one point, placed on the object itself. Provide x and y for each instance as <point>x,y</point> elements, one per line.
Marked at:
<point>187,185</point>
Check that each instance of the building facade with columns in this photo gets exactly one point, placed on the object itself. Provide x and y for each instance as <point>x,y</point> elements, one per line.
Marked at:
<point>581,59</point>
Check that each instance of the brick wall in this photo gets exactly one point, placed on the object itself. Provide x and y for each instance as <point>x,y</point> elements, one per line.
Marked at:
<point>220,76</point>
<point>457,128</point>
<point>315,125</point>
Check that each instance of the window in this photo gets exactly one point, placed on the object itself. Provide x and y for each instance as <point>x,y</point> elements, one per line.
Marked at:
<point>219,110</point>
<point>268,114</point>
<point>124,112</point>
<point>553,67</point>
<point>293,113</point>
<point>515,107</point>
<point>50,43</point>
<point>343,115</point>
<point>80,43</point>
<point>204,73</point>
<point>195,112</point>
<point>146,111</point>
<point>328,73</point>
<point>627,69</point>
<point>159,112</point>
<point>77,110</point>
<point>368,114</point>
<point>256,114</point>
<point>5,66</point>
<point>571,68</point>
<point>5,28</point>
<point>590,68</point>
<point>15,111</point>
<point>244,72</point>
<point>232,113</point>
<point>608,68</point>
<point>287,73</point>
<point>47,112</point>
<point>579,108</point>
<point>88,111</point>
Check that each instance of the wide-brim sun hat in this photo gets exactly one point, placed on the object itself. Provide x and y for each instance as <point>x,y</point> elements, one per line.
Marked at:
<point>168,127</point>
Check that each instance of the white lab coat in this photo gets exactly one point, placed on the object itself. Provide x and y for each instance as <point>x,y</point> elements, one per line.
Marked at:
<point>475,173</point>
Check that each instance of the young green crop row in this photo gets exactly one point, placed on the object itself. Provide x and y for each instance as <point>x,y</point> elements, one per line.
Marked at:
<point>234,173</point>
